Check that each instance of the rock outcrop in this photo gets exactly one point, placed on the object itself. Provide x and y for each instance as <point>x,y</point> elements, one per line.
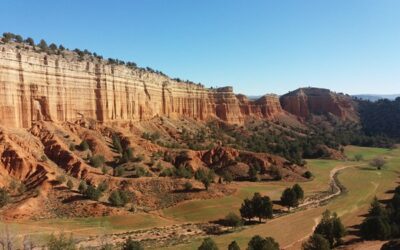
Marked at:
<point>40,87</point>
<point>305,102</point>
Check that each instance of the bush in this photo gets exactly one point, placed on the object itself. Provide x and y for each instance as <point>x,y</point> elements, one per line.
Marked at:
<point>43,158</point>
<point>21,188</point>
<point>30,41</point>
<point>97,161</point>
<point>140,171</point>
<point>228,178</point>
<point>61,242</point>
<point>127,155</point>
<point>378,162</point>
<point>308,175</point>
<point>167,172</point>
<point>119,171</point>
<point>72,147</point>
<point>4,197</point>
<point>130,244</point>
<point>188,186</point>
<point>259,243</point>
<point>104,170</point>
<point>117,143</point>
<point>119,198</point>
<point>82,187</point>
<point>138,158</point>
<point>206,177</point>
<point>208,244</point>
<point>183,172</point>
<point>233,220</point>
<point>102,186</point>
<point>61,179</point>
<point>316,242</point>
<point>92,193</point>
<point>358,157</point>
<point>233,246</point>
<point>70,184</point>
<point>83,146</point>
<point>276,173</point>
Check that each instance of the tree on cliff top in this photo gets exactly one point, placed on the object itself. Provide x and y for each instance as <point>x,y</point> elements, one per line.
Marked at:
<point>43,45</point>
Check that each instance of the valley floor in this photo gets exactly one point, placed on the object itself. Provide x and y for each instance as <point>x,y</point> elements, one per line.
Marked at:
<point>361,181</point>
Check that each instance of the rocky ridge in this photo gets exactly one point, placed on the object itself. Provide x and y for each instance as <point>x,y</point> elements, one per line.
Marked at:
<point>40,87</point>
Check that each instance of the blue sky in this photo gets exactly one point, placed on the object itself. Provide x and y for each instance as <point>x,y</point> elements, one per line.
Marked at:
<point>258,47</point>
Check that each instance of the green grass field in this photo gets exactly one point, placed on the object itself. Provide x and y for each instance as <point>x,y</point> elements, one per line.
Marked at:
<point>362,182</point>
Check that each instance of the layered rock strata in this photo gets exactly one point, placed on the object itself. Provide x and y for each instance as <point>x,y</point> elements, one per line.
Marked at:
<point>36,86</point>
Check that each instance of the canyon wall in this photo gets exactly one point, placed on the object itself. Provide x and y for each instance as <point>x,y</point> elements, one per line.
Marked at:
<point>35,86</point>
<point>305,102</point>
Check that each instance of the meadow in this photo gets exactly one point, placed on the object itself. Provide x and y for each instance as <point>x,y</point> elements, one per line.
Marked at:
<point>361,181</point>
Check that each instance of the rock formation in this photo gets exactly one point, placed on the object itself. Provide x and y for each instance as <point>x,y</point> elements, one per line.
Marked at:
<point>304,102</point>
<point>36,86</point>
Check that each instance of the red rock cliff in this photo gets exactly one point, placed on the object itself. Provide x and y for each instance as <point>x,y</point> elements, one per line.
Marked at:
<point>36,86</point>
<point>304,102</point>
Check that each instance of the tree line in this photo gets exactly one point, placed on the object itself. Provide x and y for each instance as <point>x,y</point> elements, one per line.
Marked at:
<point>52,48</point>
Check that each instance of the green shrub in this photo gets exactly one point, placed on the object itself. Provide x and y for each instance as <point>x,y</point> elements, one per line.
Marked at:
<point>167,172</point>
<point>61,242</point>
<point>228,178</point>
<point>140,171</point>
<point>316,242</point>
<point>82,187</point>
<point>84,145</point>
<point>102,186</point>
<point>70,184</point>
<point>72,147</point>
<point>138,158</point>
<point>4,197</point>
<point>127,155</point>
<point>205,176</point>
<point>43,158</point>
<point>119,171</point>
<point>97,161</point>
<point>183,172</point>
<point>258,243</point>
<point>208,244</point>
<point>117,143</point>
<point>233,220</point>
<point>358,157</point>
<point>188,186</point>
<point>233,246</point>
<point>92,193</point>
<point>130,244</point>
<point>21,188</point>
<point>308,175</point>
<point>119,198</point>
<point>61,179</point>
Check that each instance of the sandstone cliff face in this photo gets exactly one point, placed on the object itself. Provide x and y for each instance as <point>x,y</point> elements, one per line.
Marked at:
<point>36,86</point>
<point>315,101</point>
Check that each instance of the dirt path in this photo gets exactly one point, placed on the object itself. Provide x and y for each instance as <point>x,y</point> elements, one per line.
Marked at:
<point>336,189</point>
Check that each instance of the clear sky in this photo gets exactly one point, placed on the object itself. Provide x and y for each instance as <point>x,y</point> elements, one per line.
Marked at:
<point>258,47</point>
